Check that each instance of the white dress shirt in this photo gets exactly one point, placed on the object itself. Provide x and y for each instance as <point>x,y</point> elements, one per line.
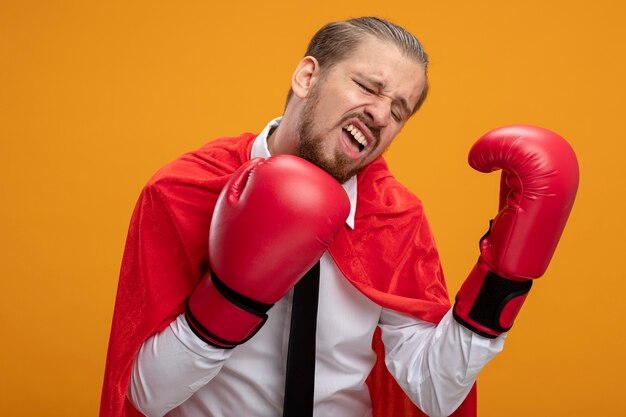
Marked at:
<point>178,375</point>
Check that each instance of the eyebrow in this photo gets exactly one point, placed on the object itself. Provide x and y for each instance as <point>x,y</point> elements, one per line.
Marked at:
<point>402,101</point>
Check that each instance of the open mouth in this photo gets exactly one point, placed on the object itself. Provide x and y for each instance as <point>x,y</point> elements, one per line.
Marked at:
<point>357,136</point>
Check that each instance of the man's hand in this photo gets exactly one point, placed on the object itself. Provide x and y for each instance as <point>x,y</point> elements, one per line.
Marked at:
<point>538,187</point>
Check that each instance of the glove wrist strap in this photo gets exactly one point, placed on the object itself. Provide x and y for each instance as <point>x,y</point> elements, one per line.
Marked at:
<point>487,303</point>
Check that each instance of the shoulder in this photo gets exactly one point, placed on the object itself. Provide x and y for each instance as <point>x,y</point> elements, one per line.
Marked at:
<point>219,157</point>
<point>189,186</point>
<point>380,192</point>
<point>390,254</point>
<point>180,197</point>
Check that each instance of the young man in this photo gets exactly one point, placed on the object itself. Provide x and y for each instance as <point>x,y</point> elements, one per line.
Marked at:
<point>200,332</point>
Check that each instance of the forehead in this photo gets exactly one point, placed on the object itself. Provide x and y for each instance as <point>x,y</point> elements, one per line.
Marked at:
<point>385,63</point>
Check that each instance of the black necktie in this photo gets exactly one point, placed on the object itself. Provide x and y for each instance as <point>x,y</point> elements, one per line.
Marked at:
<point>300,379</point>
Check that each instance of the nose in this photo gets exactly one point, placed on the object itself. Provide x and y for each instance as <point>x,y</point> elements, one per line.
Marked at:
<point>379,111</point>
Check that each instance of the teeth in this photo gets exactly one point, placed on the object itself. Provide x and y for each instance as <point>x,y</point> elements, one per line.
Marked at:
<point>356,133</point>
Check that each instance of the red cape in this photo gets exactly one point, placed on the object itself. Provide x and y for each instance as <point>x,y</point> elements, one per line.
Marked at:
<point>390,256</point>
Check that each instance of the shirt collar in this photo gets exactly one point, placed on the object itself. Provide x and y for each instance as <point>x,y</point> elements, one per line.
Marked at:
<point>259,149</point>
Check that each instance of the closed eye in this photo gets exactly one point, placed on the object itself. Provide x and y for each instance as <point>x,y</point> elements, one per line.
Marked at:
<point>365,88</point>
<point>395,114</point>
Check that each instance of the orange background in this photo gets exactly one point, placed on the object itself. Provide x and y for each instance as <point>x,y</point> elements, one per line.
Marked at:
<point>95,96</point>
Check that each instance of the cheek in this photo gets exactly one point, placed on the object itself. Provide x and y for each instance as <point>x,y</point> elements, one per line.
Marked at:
<point>341,101</point>
<point>353,100</point>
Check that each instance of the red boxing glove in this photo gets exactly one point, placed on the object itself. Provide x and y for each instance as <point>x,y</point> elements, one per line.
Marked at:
<point>273,221</point>
<point>538,187</point>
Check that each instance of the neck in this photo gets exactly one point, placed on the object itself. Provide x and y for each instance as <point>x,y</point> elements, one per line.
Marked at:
<point>283,139</point>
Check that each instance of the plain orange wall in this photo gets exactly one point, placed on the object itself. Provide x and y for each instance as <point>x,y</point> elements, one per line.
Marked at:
<point>95,96</point>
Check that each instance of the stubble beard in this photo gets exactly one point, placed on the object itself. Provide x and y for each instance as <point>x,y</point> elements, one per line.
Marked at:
<point>311,146</point>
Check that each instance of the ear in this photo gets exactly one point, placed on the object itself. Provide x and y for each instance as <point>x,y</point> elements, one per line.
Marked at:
<point>305,76</point>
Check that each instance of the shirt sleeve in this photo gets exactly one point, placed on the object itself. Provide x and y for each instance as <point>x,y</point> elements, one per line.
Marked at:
<point>436,365</point>
<point>170,367</point>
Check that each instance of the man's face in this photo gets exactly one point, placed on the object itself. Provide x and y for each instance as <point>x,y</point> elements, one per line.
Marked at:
<point>354,111</point>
